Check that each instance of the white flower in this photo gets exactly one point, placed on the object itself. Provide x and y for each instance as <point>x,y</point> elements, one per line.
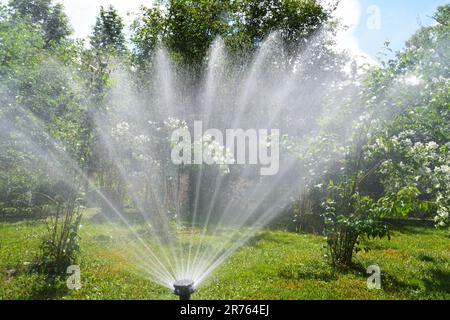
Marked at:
<point>121,129</point>
<point>432,145</point>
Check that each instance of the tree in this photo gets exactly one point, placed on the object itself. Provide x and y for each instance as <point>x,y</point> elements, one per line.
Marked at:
<point>108,32</point>
<point>38,10</point>
<point>107,45</point>
<point>57,25</point>
<point>188,28</point>
<point>40,103</point>
<point>296,20</point>
<point>442,15</point>
<point>51,18</point>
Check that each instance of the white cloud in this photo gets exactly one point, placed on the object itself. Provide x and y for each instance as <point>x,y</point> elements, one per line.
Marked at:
<point>82,13</point>
<point>349,12</point>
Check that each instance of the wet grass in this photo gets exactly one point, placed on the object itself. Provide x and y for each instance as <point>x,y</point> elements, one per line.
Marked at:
<point>415,264</point>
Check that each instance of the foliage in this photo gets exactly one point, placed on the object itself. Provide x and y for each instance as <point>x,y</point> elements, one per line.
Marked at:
<point>413,145</point>
<point>390,142</point>
<point>37,10</point>
<point>349,218</point>
<point>60,245</point>
<point>51,18</point>
<point>188,28</point>
<point>108,34</point>
<point>57,26</point>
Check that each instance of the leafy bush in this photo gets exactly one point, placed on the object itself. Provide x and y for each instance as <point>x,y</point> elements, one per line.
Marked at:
<point>60,244</point>
<point>348,218</point>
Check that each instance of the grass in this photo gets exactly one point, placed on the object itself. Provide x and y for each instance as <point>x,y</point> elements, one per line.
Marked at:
<point>415,264</point>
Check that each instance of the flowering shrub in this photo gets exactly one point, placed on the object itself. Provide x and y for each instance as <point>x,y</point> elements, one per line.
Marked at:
<point>213,151</point>
<point>422,166</point>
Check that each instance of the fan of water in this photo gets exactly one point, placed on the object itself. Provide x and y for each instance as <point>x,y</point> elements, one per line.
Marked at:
<point>193,166</point>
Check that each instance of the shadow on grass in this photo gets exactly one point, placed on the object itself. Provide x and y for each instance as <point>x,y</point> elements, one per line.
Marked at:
<point>43,287</point>
<point>253,241</point>
<point>411,226</point>
<point>13,218</point>
<point>389,282</point>
<point>131,217</point>
<point>312,270</point>
<point>270,237</point>
<point>424,257</point>
<point>48,288</point>
<point>393,284</point>
<point>438,280</point>
<point>434,279</point>
<point>322,271</point>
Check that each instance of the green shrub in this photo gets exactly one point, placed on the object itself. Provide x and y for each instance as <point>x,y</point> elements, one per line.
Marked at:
<point>60,246</point>
<point>348,218</point>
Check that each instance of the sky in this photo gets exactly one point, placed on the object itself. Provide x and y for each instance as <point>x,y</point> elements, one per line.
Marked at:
<point>370,22</point>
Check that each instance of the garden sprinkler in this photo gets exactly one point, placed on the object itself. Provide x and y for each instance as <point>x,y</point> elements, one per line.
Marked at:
<point>184,289</point>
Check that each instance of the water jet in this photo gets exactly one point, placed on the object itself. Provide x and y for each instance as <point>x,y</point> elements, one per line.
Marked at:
<point>184,289</point>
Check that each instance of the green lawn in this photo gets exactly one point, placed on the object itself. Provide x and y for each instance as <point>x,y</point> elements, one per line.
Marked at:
<point>415,264</point>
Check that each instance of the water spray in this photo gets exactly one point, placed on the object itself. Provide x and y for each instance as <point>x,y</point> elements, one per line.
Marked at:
<point>184,289</point>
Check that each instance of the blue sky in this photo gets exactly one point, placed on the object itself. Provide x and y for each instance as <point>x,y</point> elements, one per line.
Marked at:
<point>399,20</point>
<point>365,37</point>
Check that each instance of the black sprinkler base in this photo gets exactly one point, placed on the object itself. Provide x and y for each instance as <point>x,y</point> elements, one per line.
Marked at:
<point>184,289</point>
